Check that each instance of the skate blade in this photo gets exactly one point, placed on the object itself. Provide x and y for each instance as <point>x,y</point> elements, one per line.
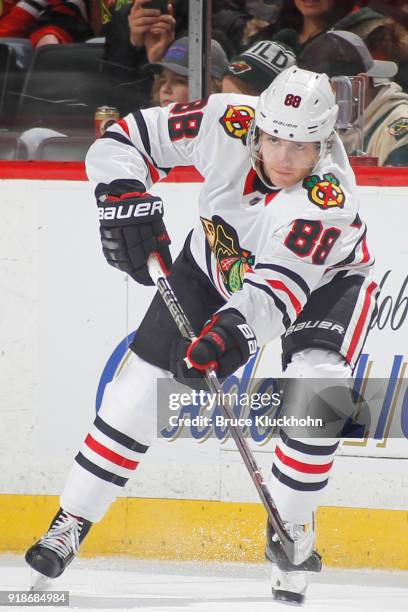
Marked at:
<point>39,582</point>
<point>287,598</point>
<point>289,587</point>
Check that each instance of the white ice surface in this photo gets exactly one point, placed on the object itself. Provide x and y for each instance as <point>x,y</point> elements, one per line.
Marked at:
<point>106,584</point>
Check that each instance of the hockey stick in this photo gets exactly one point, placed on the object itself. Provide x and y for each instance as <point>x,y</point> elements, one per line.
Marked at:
<point>294,554</point>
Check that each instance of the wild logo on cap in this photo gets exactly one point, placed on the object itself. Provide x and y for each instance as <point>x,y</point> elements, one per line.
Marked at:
<point>239,67</point>
<point>236,120</point>
<point>325,192</point>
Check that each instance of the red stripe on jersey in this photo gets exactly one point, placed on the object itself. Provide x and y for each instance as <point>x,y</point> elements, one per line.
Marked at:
<point>366,253</point>
<point>299,466</point>
<point>123,124</point>
<point>106,453</point>
<point>361,321</point>
<point>270,197</point>
<point>155,176</point>
<point>249,182</point>
<point>276,284</point>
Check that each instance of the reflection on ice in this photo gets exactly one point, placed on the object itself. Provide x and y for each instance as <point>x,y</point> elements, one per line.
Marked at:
<point>119,583</point>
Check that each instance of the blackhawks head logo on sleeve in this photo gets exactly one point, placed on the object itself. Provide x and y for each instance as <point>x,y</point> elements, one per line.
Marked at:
<point>324,192</point>
<point>236,120</point>
<point>232,260</point>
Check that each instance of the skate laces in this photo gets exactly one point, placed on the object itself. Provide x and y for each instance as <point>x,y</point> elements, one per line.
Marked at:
<point>296,532</point>
<point>303,537</point>
<point>63,537</point>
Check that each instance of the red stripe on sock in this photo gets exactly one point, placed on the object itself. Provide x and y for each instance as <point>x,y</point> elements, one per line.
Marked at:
<point>299,466</point>
<point>106,453</point>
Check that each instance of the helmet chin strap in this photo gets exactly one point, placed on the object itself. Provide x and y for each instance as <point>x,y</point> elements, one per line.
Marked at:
<point>264,179</point>
<point>257,162</point>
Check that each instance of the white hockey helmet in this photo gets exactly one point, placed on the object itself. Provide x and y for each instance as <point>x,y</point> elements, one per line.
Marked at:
<point>298,106</point>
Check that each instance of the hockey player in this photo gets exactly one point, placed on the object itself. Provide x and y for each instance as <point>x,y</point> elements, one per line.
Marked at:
<point>277,247</point>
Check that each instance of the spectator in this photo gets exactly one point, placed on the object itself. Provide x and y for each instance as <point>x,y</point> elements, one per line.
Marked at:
<point>151,30</point>
<point>373,28</point>
<point>385,114</point>
<point>241,21</point>
<point>390,41</point>
<point>302,20</point>
<point>135,33</point>
<point>262,14</point>
<point>46,21</point>
<point>254,69</point>
<point>171,85</point>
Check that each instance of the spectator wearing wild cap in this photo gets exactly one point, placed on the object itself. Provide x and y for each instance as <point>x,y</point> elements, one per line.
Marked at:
<point>171,73</point>
<point>385,117</point>
<point>254,69</point>
<point>241,20</point>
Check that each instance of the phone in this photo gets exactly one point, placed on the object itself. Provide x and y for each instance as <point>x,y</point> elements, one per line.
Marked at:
<point>161,5</point>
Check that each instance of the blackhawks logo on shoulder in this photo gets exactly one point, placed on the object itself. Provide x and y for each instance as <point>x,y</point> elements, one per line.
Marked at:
<point>236,120</point>
<point>325,192</point>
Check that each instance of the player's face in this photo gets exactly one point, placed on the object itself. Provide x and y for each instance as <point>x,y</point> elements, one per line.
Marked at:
<point>314,8</point>
<point>173,88</point>
<point>286,162</point>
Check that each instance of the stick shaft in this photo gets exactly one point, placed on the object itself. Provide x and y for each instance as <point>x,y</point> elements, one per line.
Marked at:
<point>186,330</point>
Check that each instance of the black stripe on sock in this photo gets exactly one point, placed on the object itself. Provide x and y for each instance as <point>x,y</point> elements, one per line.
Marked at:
<point>308,449</point>
<point>99,472</point>
<point>295,484</point>
<point>119,437</point>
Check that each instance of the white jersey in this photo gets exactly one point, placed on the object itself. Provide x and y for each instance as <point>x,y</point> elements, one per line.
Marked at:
<point>264,251</point>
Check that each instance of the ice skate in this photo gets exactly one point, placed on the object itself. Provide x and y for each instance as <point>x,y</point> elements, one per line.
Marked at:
<point>49,557</point>
<point>289,581</point>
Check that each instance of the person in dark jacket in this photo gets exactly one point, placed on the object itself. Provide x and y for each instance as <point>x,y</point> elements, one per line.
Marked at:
<point>125,47</point>
<point>300,21</point>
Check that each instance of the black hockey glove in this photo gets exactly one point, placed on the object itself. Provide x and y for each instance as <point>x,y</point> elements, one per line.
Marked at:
<point>225,343</point>
<point>131,229</point>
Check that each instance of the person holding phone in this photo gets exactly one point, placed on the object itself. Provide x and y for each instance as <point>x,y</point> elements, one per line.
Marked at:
<point>152,26</point>
<point>132,42</point>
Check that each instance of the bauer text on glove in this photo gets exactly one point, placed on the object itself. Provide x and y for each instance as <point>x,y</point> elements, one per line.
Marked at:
<point>132,228</point>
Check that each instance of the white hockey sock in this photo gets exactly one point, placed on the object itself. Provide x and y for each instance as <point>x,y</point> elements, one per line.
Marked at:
<point>301,467</point>
<point>121,434</point>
